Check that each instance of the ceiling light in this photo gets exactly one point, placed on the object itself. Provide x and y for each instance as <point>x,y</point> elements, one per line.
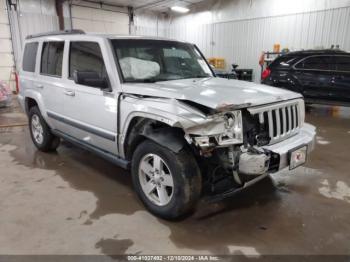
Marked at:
<point>180,9</point>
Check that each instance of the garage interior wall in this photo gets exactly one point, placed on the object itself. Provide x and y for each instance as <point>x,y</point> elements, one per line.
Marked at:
<point>239,30</point>
<point>37,16</point>
<point>6,54</point>
<point>30,17</point>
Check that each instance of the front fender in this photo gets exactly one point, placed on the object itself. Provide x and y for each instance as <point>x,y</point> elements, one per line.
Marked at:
<point>172,113</point>
<point>167,111</point>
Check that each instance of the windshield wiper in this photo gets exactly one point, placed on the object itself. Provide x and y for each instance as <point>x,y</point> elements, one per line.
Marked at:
<point>197,76</point>
<point>147,80</point>
<point>154,80</point>
<point>202,76</point>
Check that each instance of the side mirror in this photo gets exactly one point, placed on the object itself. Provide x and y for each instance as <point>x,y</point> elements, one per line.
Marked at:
<point>90,78</point>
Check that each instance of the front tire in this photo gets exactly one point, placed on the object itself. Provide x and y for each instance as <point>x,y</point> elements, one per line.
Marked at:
<point>168,183</point>
<point>40,132</point>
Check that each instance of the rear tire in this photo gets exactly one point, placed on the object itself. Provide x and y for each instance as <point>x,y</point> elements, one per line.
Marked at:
<point>171,188</point>
<point>40,132</point>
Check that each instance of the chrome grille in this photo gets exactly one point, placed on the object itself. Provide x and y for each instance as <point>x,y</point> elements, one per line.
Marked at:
<point>283,120</point>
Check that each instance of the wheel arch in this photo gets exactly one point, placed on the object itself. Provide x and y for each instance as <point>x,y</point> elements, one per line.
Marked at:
<point>34,99</point>
<point>141,128</point>
<point>29,103</point>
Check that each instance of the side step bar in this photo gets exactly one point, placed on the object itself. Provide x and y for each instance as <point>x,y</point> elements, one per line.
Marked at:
<point>106,155</point>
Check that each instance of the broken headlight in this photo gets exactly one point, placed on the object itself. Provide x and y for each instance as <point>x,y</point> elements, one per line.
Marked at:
<point>232,133</point>
<point>224,129</point>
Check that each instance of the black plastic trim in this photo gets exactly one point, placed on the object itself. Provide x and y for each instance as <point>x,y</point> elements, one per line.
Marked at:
<point>104,154</point>
<point>82,126</point>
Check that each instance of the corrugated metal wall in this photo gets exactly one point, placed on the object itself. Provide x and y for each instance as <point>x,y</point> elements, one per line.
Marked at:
<point>36,16</point>
<point>6,54</point>
<point>150,24</point>
<point>31,17</point>
<point>242,41</point>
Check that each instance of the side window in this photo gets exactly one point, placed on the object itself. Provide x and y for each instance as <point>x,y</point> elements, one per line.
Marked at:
<point>29,57</point>
<point>86,56</point>
<point>316,63</point>
<point>343,63</point>
<point>51,58</point>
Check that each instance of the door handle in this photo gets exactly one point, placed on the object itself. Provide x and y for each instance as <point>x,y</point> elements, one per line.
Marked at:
<point>69,92</point>
<point>39,86</point>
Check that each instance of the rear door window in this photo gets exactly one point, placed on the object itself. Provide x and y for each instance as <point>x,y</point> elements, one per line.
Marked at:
<point>51,58</point>
<point>343,63</point>
<point>86,56</point>
<point>317,63</point>
<point>29,56</point>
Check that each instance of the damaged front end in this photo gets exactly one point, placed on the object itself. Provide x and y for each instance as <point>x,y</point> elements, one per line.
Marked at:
<point>235,146</point>
<point>229,146</point>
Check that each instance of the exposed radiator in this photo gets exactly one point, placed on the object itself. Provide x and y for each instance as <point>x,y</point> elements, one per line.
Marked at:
<point>282,120</point>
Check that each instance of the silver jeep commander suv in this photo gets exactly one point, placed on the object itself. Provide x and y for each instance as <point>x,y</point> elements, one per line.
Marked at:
<point>155,106</point>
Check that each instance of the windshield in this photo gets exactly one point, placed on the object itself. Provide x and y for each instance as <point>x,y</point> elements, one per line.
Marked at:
<point>158,60</point>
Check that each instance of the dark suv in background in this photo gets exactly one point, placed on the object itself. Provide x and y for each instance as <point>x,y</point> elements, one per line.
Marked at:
<point>322,76</point>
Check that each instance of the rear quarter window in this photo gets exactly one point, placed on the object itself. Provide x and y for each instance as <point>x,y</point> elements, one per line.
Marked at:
<point>284,62</point>
<point>29,57</point>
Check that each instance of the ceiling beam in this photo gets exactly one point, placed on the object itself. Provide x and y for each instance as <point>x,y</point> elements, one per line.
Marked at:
<point>153,4</point>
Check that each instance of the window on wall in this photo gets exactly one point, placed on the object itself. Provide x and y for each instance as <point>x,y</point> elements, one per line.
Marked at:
<point>343,63</point>
<point>51,58</point>
<point>86,56</point>
<point>29,57</point>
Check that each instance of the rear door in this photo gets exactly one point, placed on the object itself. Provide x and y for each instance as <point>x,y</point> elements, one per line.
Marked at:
<point>49,80</point>
<point>341,79</point>
<point>90,113</point>
<point>314,75</point>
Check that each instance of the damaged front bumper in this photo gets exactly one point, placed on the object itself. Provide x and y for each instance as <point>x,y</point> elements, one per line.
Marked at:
<point>306,136</point>
<point>281,152</point>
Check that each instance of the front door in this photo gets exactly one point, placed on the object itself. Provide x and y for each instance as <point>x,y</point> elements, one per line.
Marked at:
<point>90,113</point>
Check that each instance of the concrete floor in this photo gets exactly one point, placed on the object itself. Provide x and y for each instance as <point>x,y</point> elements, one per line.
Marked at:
<point>72,202</point>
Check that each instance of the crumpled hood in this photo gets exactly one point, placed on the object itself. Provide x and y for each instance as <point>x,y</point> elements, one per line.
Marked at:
<point>212,92</point>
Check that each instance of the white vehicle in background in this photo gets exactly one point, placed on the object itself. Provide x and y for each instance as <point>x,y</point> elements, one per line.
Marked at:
<point>155,106</point>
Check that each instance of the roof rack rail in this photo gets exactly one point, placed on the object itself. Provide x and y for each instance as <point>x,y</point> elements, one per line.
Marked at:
<point>318,51</point>
<point>64,32</point>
